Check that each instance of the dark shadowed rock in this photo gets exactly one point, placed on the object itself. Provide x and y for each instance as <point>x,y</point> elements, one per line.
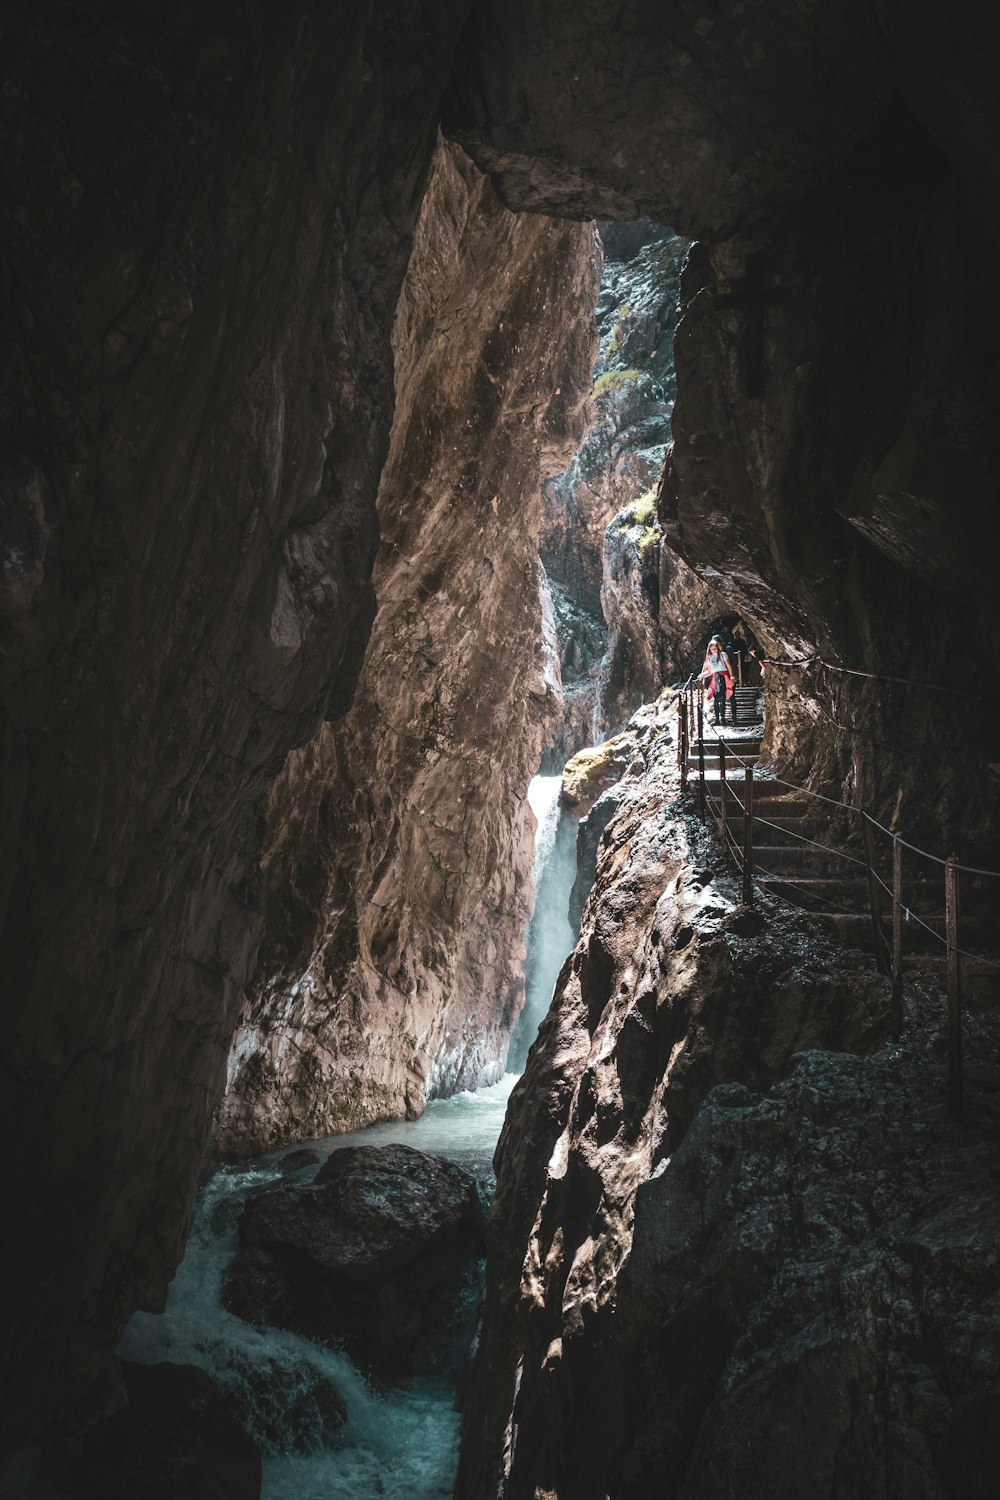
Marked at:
<point>298,1161</point>
<point>195,405</point>
<point>737,1247</point>
<point>175,1440</point>
<point>742,108</point>
<point>380,1255</point>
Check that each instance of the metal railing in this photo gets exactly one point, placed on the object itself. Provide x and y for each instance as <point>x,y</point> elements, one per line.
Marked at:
<point>889,954</point>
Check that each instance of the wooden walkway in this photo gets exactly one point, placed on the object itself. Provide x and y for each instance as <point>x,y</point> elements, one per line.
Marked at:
<point>915,911</point>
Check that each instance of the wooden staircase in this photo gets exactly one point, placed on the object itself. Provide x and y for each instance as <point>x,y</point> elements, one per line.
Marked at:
<point>789,860</point>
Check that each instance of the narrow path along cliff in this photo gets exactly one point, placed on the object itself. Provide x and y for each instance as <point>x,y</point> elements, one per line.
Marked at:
<point>723,1188</point>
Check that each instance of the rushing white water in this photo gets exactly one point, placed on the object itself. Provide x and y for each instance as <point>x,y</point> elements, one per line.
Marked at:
<point>550,936</point>
<point>402,1444</point>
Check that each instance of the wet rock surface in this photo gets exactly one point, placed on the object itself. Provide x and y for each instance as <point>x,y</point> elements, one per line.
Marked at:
<point>820,1261</point>
<point>379,1255</point>
<point>718,1186</point>
<point>175,1440</point>
<point>600,540</point>
<point>398,858</point>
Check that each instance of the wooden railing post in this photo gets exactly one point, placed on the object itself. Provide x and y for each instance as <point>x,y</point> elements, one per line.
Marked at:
<point>954,988</point>
<point>878,936</point>
<point>722,801</point>
<point>681,733</point>
<point>748,838</point>
<point>896,1012</point>
<point>701,763</point>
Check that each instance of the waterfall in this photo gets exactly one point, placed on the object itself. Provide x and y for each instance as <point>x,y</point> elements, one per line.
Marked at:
<point>550,936</point>
<point>400,1443</point>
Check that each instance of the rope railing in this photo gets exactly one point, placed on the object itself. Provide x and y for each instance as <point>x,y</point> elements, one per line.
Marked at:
<point>816,660</point>
<point>888,956</point>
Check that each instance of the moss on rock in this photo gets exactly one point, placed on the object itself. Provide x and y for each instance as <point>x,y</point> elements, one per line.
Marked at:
<point>592,770</point>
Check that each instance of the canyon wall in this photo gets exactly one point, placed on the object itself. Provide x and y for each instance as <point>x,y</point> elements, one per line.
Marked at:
<point>206,223</point>
<point>737,1247</point>
<point>207,215</point>
<point>398,849</point>
<point>834,468</point>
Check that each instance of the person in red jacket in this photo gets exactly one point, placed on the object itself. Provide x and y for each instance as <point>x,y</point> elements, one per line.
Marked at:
<point>718,673</point>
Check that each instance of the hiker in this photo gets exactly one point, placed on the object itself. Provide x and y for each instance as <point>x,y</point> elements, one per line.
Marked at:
<point>718,673</point>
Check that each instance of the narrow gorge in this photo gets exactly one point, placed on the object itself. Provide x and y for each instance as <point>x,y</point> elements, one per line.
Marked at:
<point>395,401</point>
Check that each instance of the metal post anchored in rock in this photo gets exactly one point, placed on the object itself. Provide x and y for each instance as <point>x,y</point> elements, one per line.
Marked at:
<point>954,988</point>
<point>882,962</point>
<point>896,1012</point>
<point>701,763</point>
<point>722,801</point>
<point>748,838</point>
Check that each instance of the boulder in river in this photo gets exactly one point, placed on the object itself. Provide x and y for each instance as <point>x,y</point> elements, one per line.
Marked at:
<point>177,1439</point>
<point>379,1255</point>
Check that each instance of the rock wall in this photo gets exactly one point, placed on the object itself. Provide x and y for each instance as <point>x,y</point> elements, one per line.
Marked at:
<point>207,214</point>
<point>398,850</point>
<point>833,480</point>
<point>731,1219</point>
<point>847,509</point>
<point>634,390</point>
<point>603,561</point>
<point>206,220</point>
<point>834,468</point>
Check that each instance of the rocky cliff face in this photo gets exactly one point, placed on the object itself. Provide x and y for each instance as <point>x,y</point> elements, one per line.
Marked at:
<point>730,1218</point>
<point>398,855</point>
<point>206,220</point>
<point>602,560</point>
<point>834,470</point>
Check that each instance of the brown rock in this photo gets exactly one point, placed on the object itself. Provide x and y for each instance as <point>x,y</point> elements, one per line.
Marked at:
<point>380,1255</point>
<point>175,1440</point>
<point>697,120</point>
<point>397,872</point>
<point>196,402</point>
<point>670,991</point>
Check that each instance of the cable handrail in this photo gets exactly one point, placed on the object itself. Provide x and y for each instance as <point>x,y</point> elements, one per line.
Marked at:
<point>816,660</point>
<point>714,797</point>
<point>860,812</point>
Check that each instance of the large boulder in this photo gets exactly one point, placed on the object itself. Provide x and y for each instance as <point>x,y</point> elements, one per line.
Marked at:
<point>176,1439</point>
<point>379,1255</point>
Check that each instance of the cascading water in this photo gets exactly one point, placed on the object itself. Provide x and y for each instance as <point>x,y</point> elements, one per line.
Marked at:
<point>550,936</point>
<point>402,1444</point>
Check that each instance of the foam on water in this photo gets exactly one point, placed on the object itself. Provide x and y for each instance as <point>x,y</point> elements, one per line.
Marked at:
<point>550,936</point>
<point>402,1444</point>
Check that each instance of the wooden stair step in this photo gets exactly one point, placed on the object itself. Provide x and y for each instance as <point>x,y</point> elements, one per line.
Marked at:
<point>795,858</point>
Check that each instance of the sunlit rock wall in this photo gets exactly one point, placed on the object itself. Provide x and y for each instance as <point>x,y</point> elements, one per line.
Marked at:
<point>604,567</point>
<point>731,1218</point>
<point>397,871</point>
